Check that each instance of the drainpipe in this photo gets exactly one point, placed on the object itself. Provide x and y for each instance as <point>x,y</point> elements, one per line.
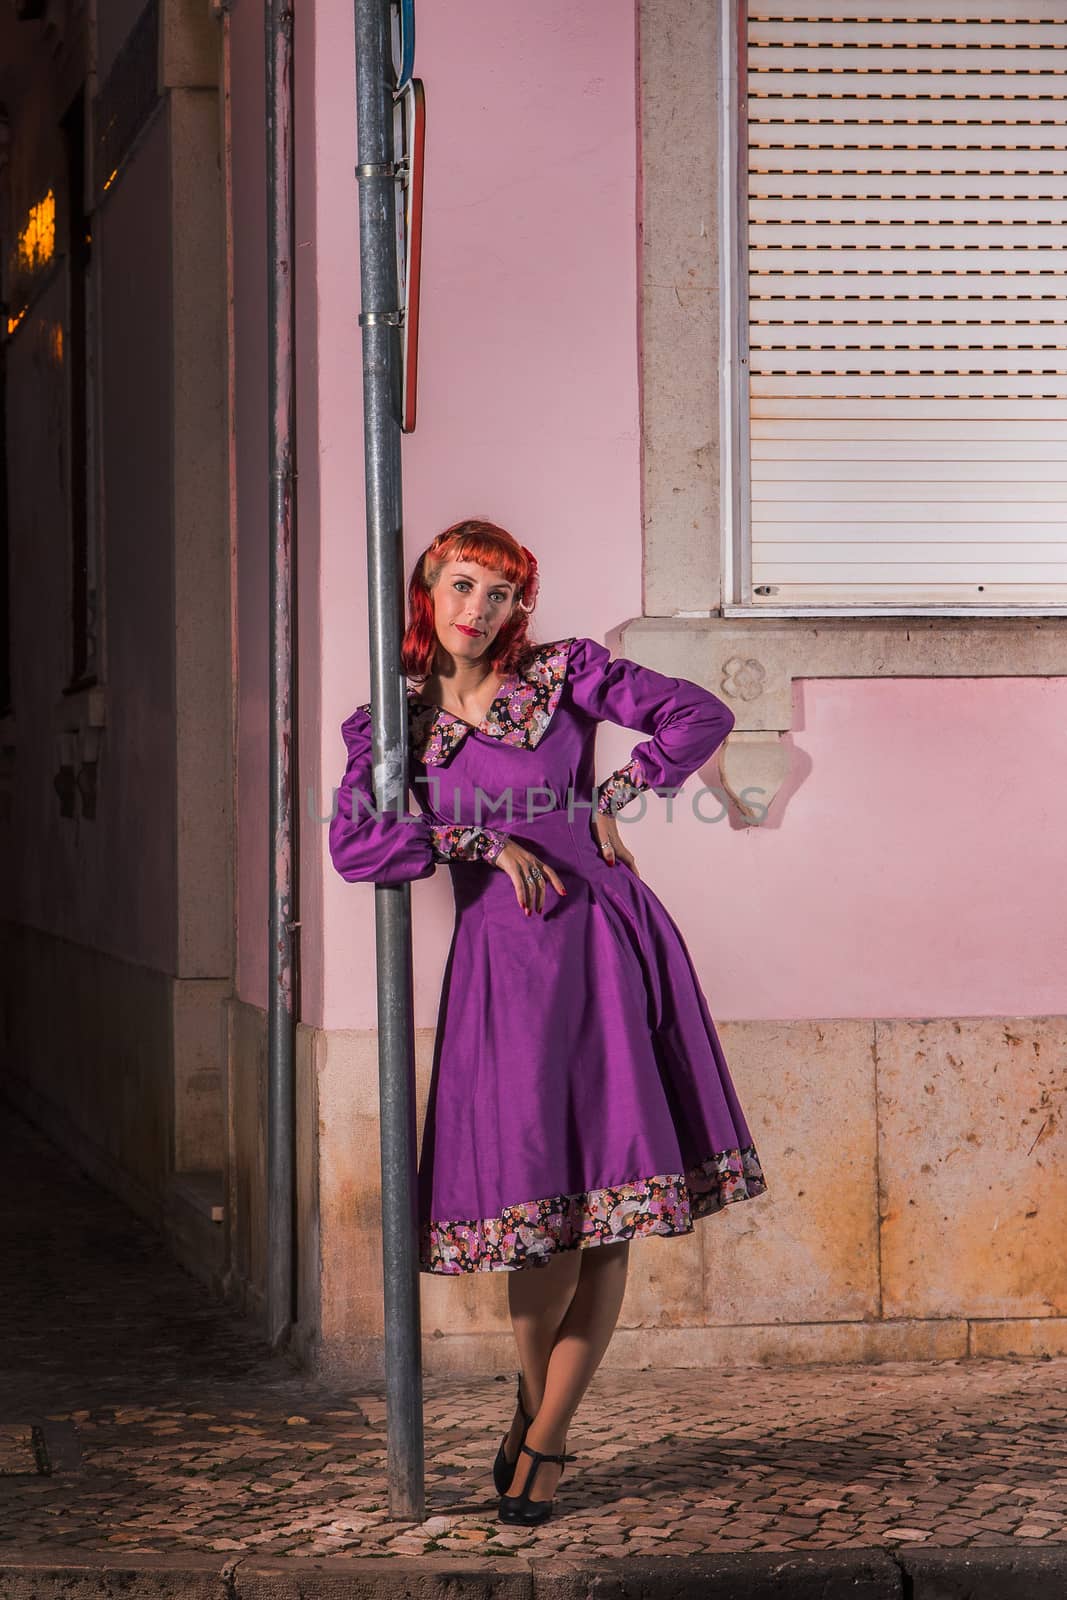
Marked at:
<point>380,321</point>
<point>281,1098</point>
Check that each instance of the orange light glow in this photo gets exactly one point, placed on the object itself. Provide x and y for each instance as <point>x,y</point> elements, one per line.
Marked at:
<point>37,240</point>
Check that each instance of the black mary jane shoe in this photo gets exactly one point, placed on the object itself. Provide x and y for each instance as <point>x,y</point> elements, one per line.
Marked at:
<point>519,1508</point>
<point>503,1469</point>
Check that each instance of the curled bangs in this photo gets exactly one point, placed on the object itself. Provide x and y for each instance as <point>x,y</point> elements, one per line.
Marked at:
<point>487,550</point>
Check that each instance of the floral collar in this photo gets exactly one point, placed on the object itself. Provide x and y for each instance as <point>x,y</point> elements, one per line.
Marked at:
<point>519,715</point>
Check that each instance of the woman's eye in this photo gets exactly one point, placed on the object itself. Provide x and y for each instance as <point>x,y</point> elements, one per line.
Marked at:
<point>498,597</point>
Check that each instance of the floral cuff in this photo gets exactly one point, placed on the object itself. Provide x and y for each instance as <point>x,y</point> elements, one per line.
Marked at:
<point>460,842</point>
<point>623,785</point>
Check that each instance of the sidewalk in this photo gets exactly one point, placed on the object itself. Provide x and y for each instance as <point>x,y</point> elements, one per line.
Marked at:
<point>189,1461</point>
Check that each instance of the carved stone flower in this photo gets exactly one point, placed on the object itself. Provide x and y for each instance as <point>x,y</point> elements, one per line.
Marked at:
<point>743,678</point>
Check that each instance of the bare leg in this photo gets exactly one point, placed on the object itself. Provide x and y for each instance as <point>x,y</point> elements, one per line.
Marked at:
<point>538,1298</point>
<point>583,1337</point>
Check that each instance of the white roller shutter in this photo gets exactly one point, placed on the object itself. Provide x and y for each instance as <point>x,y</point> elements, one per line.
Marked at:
<point>905,184</point>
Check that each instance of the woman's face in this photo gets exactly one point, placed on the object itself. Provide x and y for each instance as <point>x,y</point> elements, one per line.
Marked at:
<point>471,604</point>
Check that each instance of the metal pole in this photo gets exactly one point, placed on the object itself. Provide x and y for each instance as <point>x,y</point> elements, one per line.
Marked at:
<point>281,1108</point>
<point>380,319</point>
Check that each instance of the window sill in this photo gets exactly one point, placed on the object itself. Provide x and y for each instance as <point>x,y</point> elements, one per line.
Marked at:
<point>860,613</point>
<point>751,664</point>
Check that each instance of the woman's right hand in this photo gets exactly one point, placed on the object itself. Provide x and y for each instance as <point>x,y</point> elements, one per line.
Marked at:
<point>518,862</point>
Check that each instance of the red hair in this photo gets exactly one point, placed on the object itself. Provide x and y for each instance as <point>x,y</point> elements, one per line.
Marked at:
<point>493,547</point>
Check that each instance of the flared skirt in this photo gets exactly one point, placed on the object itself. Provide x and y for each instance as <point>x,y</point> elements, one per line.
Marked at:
<point>579,1094</point>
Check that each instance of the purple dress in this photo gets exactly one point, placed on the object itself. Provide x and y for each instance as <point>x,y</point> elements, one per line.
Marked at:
<point>579,1093</point>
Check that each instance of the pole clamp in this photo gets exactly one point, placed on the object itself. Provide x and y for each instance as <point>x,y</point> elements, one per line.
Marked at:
<point>376,169</point>
<point>373,319</point>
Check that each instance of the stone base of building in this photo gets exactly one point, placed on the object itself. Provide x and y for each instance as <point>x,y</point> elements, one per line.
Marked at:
<point>915,1204</point>
<point>914,1207</point>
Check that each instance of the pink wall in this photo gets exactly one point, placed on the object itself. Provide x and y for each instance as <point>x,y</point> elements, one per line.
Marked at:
<point>528,405</point>
<point>922,827</point>
<point>897,873</point>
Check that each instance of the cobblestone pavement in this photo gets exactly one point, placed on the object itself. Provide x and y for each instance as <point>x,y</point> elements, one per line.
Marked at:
<point>172,1429</point>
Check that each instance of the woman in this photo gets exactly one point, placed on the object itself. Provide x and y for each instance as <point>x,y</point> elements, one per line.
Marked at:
<point>579,1095</point>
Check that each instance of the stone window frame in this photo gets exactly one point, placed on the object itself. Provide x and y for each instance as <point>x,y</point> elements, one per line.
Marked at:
<point>750,660</point>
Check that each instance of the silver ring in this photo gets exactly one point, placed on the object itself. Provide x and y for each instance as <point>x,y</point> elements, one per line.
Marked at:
<point>606,844</point>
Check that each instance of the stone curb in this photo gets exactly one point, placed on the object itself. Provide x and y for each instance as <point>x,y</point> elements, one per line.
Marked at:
<point>994,1573</point>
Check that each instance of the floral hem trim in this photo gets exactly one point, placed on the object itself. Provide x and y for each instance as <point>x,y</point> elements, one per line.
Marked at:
<point>531,1233</point>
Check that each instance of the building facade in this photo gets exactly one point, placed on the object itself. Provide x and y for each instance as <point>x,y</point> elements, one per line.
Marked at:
<point>751,326</point>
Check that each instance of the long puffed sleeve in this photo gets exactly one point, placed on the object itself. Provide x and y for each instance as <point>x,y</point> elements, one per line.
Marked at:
<point>390,846</point>
<point>687,722</point>
<point>368,844</point>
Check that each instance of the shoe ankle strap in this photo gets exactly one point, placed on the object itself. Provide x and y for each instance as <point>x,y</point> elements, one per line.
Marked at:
<point>544,1455</point>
